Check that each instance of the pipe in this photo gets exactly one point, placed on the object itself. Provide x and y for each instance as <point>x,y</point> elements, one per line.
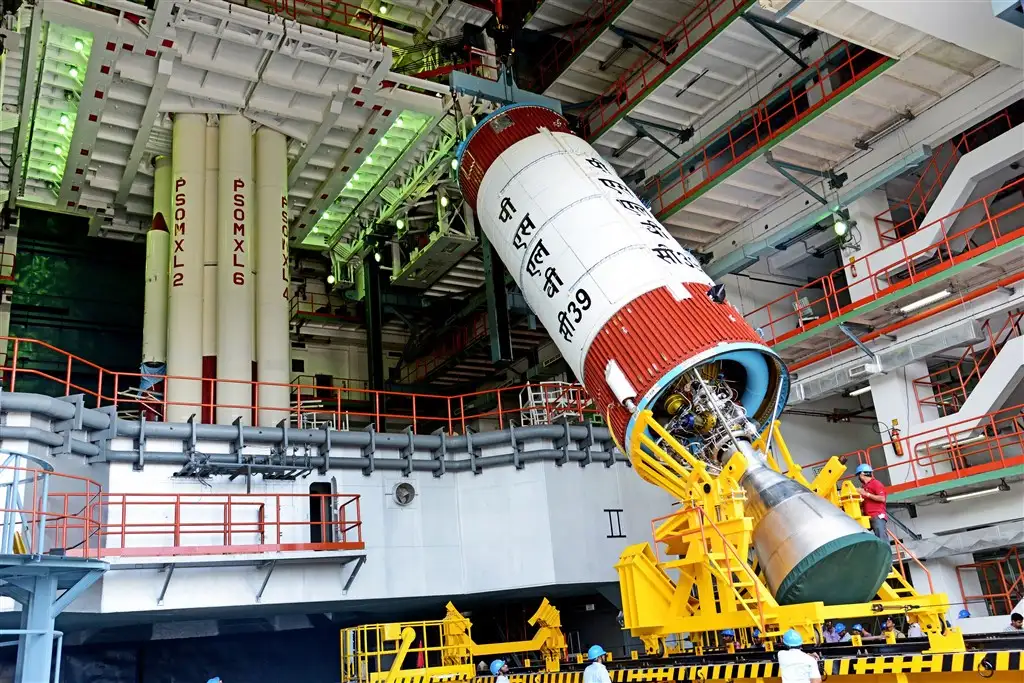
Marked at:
<point>273,347</point>
<point>389,464</point>
<point>47,439</point>
<point>835,350</point>
<point>158,245</point>
<point>185,293</point>
<point>318,437</point>
<point>234,276</point>
<point>53,408</point>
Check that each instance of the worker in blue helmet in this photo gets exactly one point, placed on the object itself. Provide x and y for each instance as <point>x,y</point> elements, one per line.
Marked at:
<point>964,614</point>
<point>596,671</point>
<point>795,665</point>
<point>873,494</point>
<point>728,637</point>
<point>500,670</point>
<point>844,636</point>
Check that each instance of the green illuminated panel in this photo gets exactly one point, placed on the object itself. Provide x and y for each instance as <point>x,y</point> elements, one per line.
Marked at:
<point>65,61</point>
<point>402,136</point>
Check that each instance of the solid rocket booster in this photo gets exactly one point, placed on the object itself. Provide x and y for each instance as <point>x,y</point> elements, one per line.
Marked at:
<point>627,307</point>
<point>635,316</point>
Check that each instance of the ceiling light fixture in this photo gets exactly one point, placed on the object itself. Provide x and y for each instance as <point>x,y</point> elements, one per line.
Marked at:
<point>57,150</point>
<point>376,256</point>
<point>73,72</point>
<point>383,9</point>
<point>862,390</point>
<point>930,299</point>
<point>64,120</point>
<point>79,46</point>
<point>1003,486</point>
<point>61,130</point>
<point>444,201</point>
<point>53,168</point>
<point>383,142</point>
<point>400,224</point>
<point>330,279</point>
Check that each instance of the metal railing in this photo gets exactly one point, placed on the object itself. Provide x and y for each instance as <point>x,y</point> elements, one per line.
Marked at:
<point>180,524</point>
<point>40,367</point>
<point>1001,581</point>
<point>54,512</point>
<point>830,296</point>
<point>574,40</point>
<point>799,99</point>
<point>318,305</point>
<point>454,342</point>
<point>957,451</point>
<point>947,389</point>
<point>683,40</point>
<point>933,176</point>
<point>333,15</point>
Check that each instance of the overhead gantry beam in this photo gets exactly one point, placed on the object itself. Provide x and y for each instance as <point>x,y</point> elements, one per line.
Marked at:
<point>149,117</point>
<point>675,48</point>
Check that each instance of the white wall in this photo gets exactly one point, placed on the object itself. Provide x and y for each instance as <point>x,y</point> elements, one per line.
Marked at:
<point>503,529</point>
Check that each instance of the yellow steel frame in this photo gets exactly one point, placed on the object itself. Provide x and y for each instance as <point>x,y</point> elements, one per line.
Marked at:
<point>709,540</point>
<point>377,653</point>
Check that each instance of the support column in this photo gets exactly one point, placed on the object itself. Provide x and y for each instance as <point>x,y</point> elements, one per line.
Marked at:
<point>499,327</point>
<point>894,397</point>
<point>185,293</point>
<point>234,277</point>
<point>272,343</point>
<point>863,212</point>
<point>210,276</point>
<point>35,650</point>
<point>158,243</point>
<point>374,335</point>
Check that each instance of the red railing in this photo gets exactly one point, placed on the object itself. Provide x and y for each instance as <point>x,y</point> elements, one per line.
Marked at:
<point>56,372</point>
<point>902,557</point>
<point>575,40</point>
<point>830,297</point>
<point>454,342</point>
<point>333,15</point>
<point>477,62</point>
<point>1001,580</point>
<point>947,389</point>
<point>932,177</point>
<point>318,305</point>
<point>72,515</point>
<point>158,524</point>
<point>963,449</point>
<point>683,40</point>
<point>44,520</point>
<point>750,131</point>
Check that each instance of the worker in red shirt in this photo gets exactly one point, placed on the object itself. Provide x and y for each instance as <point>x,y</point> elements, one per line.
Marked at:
<point>873,494</point>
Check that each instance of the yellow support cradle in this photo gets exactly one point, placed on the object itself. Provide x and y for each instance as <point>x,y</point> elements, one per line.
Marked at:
<point>709,581</point>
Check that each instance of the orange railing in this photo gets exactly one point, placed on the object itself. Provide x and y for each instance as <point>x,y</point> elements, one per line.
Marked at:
<point>317,305</point>
<point>158,524</point>
<point>1001,581</point>
<point>797,100</point>
<point>830,296</point>
<point>37,366</point>
<point>902,557</point>
<point>476,62</point>
<point>946,389</point>
<point>683,40</point>
<point>932,177</point>
<point>574,41</point>
<point>331,15</point>
<point>54,512</point>
<point>963,449</point>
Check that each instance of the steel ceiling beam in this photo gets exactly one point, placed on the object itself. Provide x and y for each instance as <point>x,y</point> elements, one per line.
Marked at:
<point>27,99</point>
<point>331,114</point>
<point>756,25</point>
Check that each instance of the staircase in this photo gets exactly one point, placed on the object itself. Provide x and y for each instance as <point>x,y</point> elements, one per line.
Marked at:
<point>948,388</point>
<point>906,215</point>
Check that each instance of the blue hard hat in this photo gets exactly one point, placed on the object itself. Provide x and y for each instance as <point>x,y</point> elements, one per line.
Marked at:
<point>729,632</point>
<point>840,627</point>
<point>964,614</point>
<point>757,633</point>
<point>863,467</point>
<point>595,651</point>
<point>215,679</point>
<point>793,639</point>
<point>857,627</point>
<point>496,666</point>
